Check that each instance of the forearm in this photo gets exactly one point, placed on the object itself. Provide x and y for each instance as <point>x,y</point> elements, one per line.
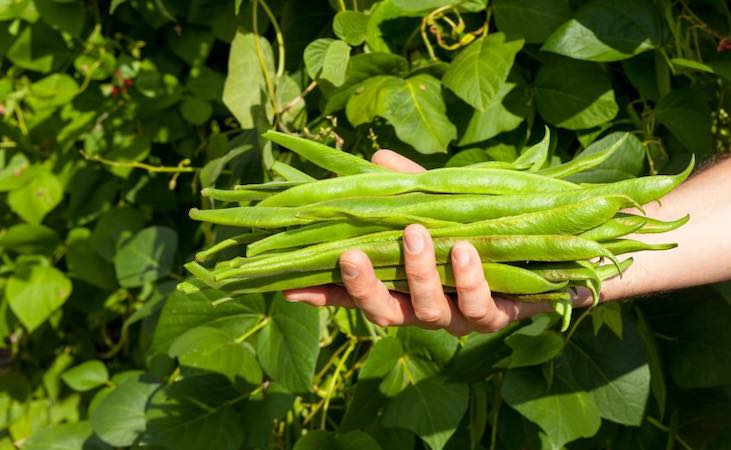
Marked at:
<point>703,254</point>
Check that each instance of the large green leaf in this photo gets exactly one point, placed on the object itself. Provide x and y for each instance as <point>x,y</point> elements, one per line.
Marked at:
<point>431,408</point>
<point>626,162</point>
<point>36,198</point>
<point>479,71</point>
<point>686,114</point>
<point>532,20</point>
<point>701,354</point>
<point>323,440</point>
<point>574,94</point>
<point>85,264</point>
<point>28,238</point>
<point>86,376</point>
<point>38,48</point>
<point>147,256</point>
<point>608,30</point>
<point>534,344</point>
<point>428,5</point>
<point>562,411</point>
<point>287,347</point>
<point>613,371</point>
<point>68,436</point>
<point>245,89</point>
<point>414,107</point>
<point>119,419</point>
<point>216,350</point>
<point>35,293</point>
<point>193,414</point>
<point>183,312</point>
<point>117,224</point>
<point>350,26</point>
<point>66,16</point>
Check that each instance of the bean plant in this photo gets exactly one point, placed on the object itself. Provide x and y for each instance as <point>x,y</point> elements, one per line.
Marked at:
<point>117,114</point>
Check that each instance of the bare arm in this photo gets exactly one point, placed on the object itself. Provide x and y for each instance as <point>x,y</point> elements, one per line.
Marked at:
<point>703,254</point>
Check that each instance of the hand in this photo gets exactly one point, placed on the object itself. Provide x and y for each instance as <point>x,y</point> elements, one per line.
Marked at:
<point>475,309</point>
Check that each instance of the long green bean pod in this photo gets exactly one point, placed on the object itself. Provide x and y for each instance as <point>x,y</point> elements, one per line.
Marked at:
<point>622,246</point>
<point>491,249</point>
<point>583,162</point>
<point>329,158</point>
<point>453,180</point>
<point>249,216</point>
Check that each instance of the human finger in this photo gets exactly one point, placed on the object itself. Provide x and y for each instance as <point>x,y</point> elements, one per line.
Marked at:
<point>392,160</point>
<point>380,306</point>
<point>431,306</point>
<point>324,295</point>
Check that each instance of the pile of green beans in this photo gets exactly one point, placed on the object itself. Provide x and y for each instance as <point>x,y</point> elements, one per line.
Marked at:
<point>540,237</point>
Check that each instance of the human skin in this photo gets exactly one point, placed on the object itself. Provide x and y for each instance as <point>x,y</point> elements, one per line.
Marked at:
<point>701,257</point>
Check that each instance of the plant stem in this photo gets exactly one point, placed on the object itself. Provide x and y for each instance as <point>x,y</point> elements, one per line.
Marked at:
<point>333,380</point>
<point>279,36</point>
<point>253,330</point>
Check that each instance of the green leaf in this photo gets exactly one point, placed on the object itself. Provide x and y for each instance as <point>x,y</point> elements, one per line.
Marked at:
<point>86,264</point>
<point>564,413</point>
<point>287,347</point>
<point>350,26</point>
<point>145,257</point>
<point>86,376</point>
<point>431,408</point>
<point>686,114</point>
<point>626,162</point>
<point>196,111</point>
<point>216,350</point>
<point>16,172</point>
<point>413,106</point>
<point>479,71</point>
<point>68,16</point>
<point>117,224</point>
<point>389,27</point>
<point>52,91</point>
<point>506,112</point>
<point>314,56</point>
<point>191,44</point>
<point>35,293</point>
<point>534,344</point>
<point>190,415</point>
<point>609,315</point>
<point>654,361</point>
<point>532,20</point>
<point>613,371</point>
<point>36,198</point>
<point>335,62</point>
<point>28,238</point>
<point>183,312</point>
<point>428,5</point>
<point>574,94</point>
<point>244,90</point>
<point>120,417</point>
<point>68,436</point>
<point>701,354</point>
<point>608,30</point>
<point>323,440</point>
<point>38,48</point>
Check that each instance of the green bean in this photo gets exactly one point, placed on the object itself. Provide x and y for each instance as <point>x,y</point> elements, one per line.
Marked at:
<point>290,173</point>
<point>567,219</point>
<point>240,195</point>
<point>573,218</point>
<point>659,226</point>
<point>615,228</point>
<point>583,162</point>
<point>621,246</point>
<point>315,233</point>
<point>607,271</point>
<point>558,272</point>
<point>334,160</point>
<point>452,180</point>
<point>547,297</point>
<point>592,285</point>
<point>535,157</point>
<point>249,216</point>
<point>240,239</point>
<point>491,249</point>
<point>393,220</point>
<point>501,278</point>
<point>472,208</point>
<point>493,165</point>
<point>269,186</point>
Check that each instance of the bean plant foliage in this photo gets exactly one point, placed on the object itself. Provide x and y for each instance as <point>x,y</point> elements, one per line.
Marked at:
<point>115,115</point>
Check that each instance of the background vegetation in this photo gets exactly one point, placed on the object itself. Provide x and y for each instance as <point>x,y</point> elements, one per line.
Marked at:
<point>114,115</point>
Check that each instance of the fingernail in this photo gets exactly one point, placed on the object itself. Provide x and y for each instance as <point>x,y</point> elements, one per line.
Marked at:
<point>461,255</point>
<point>295,297</point>
<point>414,241</point>
<point>348,270</point>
